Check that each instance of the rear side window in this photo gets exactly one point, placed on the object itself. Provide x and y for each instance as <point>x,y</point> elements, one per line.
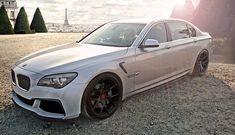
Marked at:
<point>192,31</point>
<point>178,30</point>
<point>157,32</point>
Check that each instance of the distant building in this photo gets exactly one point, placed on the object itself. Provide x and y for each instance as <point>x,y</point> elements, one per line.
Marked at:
<point>54,27</point>
<point>11,8</point>
<point>83,28</point>
<point>66,27</point>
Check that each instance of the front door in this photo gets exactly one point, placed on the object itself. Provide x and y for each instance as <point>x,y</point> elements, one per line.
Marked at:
<point>149,68</point>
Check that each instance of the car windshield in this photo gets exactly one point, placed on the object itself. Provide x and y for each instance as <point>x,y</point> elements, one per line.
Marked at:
<point>115,34</point>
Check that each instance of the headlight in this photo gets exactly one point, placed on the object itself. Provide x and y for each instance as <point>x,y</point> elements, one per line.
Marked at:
<point>57,80</point>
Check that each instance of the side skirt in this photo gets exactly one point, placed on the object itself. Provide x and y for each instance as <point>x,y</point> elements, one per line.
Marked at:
<point>158,83</point>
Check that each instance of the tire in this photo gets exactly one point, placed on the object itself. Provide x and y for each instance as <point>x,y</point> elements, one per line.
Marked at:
<point>102,97</point>
<point>201,65</point>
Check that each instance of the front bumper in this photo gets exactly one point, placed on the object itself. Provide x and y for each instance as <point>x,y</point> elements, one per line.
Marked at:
<point>42,100</point>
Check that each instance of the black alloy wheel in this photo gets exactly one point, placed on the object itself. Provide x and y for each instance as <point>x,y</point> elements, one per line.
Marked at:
<point>102,96</point>
<point>202,62</point>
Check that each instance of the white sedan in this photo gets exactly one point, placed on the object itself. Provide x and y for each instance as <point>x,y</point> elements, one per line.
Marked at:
<point>117,60</point>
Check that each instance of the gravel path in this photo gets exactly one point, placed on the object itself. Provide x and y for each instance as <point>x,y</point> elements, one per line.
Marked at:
<point>190,105</point>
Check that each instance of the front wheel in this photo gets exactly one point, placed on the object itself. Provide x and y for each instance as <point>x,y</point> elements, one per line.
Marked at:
<point>201,64</point>
<point>102,97</point>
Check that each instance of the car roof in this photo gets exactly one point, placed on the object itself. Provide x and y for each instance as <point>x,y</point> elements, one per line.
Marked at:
<point>145,20</point>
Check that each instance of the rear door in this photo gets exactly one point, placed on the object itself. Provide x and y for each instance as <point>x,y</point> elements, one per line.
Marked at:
<point>181,46</point>
<point>196,47</point>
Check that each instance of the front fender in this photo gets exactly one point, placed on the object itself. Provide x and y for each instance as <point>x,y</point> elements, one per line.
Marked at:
<point>86,74</point>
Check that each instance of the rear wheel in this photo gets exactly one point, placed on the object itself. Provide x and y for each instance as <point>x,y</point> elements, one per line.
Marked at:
<point>102,97</point>
<point>201,64</point>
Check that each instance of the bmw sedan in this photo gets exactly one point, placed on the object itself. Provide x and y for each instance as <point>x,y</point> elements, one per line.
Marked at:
<point>118,59</point>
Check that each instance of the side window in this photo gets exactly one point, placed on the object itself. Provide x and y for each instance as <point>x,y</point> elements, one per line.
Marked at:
<point>157,32</point>
<point>178,30</point>
<point>192,31</point>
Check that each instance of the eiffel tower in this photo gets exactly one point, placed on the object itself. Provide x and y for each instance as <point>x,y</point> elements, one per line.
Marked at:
<point>66,22</point>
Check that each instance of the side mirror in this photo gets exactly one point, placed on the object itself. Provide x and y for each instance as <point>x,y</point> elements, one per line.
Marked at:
<point>150,43</point>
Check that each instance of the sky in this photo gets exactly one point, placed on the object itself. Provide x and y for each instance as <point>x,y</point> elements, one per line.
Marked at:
<point>98,11</point>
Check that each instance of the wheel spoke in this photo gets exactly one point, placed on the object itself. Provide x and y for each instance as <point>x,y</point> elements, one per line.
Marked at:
<point>112,96</point>
<point>115,85</point>
<point>101,109</point>
<point>205,57</point>
<point>107,86</point>
<point>205,62</point>
<point>107,101</point>
<point>202,56</point>
<point>204,65</point>
<point>111,105</point>
<point>104,96</point>
<point>103,106</point>
<point>95,102</point>
<point>201,67</point>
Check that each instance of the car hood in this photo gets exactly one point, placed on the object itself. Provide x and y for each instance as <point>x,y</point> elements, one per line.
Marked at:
<point>67,57</point>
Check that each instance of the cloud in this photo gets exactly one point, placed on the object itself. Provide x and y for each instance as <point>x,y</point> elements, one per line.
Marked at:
<point>87,11</point>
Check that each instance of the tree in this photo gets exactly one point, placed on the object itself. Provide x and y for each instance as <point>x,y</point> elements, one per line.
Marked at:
<point>22,23</point>
<point>38,24</point>
<point>218,18</point>
<point>5,25</point>
<point>213,16</point>
<point>185,11</point>
<point>188,10</point>
<point>177,12</point>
